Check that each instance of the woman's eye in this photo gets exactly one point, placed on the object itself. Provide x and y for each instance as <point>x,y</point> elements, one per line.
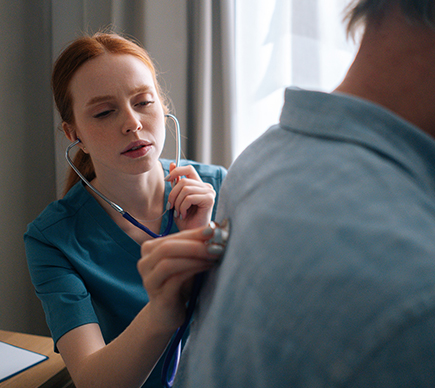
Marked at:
<point>103,114</point>
<point>145,103</point>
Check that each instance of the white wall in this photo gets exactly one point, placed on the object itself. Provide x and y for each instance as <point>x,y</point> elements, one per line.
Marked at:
<point>31,158</point>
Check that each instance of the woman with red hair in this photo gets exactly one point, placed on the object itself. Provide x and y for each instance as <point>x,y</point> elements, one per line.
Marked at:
<point>81,253</point>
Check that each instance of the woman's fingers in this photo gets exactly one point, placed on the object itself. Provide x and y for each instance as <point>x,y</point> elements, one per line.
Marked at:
<point>186,194</point>
<point>170,275</point>
<point>184,252</point>
<point>190,197</point>
<point>169,264</point>
<point>174,248</point>
<point>178,172</point>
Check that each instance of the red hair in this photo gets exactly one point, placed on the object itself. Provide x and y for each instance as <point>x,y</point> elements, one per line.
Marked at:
<point>69,61</point>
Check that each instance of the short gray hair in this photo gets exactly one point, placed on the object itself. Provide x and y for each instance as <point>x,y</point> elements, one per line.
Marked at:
<point>359,12</point>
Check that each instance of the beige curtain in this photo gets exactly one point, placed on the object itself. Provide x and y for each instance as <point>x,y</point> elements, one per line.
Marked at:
<point>26,151</point>
<point>211,84</point>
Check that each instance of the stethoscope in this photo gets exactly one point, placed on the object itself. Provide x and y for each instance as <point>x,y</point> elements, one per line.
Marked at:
<point>118,208</point>
<point>220,237</point>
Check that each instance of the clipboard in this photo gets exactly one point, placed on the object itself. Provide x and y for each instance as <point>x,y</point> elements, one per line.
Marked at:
<point>14,360</point>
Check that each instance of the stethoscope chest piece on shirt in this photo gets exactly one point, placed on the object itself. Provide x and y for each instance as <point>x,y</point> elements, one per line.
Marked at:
<point>221,233</point>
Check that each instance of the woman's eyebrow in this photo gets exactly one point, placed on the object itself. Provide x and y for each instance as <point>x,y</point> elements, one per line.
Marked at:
<point>142,89</point>
<point>139,89</point>
<point>98,99</point>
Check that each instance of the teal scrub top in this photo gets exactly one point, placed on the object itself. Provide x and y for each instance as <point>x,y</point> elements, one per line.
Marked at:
<point>83,266</point>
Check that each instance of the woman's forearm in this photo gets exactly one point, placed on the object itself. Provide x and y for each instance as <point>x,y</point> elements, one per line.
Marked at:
<point>127,361</point>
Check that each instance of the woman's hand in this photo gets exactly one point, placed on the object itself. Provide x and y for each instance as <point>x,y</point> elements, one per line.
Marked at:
<point>191,198</point>
<point>167,268</point>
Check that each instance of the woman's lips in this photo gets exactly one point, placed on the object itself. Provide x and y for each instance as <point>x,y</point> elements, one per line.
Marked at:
<point>137,149</point>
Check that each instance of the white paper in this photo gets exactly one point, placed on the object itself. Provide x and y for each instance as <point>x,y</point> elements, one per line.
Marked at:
<point>14,360</point>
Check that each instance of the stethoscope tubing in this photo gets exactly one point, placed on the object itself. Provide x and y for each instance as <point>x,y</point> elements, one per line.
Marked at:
<point>174,351</point>
<point>115,206</point>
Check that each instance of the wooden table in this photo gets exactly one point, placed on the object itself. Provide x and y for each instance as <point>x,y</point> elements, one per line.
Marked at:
<point>50,373</point>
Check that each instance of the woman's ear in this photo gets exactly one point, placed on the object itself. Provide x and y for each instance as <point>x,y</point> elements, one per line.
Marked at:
<point>71,134</point>
<point>69,131</point>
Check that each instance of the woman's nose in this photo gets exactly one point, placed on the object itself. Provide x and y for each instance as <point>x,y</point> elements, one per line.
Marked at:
<point>132,122</point>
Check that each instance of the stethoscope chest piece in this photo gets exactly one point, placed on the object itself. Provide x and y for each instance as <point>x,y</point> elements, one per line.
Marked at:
<point>221,233</point>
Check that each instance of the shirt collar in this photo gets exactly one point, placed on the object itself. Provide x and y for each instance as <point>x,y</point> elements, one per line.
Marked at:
<point>350,119</point>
